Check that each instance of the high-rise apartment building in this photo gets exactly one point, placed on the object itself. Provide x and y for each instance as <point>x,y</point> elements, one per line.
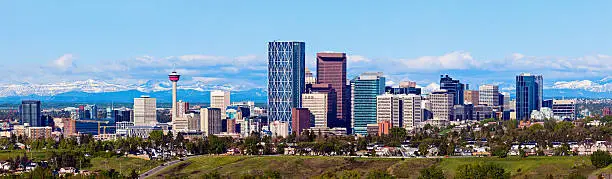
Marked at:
<point>413,111</point>
<point>389,108</point>
<point>442,107</point>
<point>30,113</point>
<point>453,87</point>
<point>528,94</point>
<point>220,99</point>
<point>364,90</point>
<point>488,95</point>
<point>286,61</point>
<point>210,121</point>
<point>145,113</point>
<point>331,69</point>
<point>471,97</point>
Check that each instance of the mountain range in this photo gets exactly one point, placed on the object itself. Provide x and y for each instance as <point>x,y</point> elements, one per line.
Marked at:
<point>94,91</point>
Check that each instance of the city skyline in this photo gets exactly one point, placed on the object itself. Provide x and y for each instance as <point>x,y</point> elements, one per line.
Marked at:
<point>411,41</point>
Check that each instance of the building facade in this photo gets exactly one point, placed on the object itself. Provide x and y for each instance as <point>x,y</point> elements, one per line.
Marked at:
<point>331,69</point>
<point>145,111</point>
<point>488,95</point>
<point>528,94</point>
<point>301,120</point>
<point>31,113</point>
<point>286,62</point>
<point>453,87</point>
<point>564,109</point>
<point>471,97</point>
<point>389,108</point>
<point>321,106</point>
<point>413,112</point>
<point>220,99</point>
<point>364,90</point>
<point>442,107</point>
<point>210,121</point>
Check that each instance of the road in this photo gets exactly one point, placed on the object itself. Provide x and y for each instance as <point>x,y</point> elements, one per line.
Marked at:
<point>162,167</point>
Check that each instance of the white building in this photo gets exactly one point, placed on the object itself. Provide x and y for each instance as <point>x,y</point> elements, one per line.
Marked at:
<point>210,121</point>
<point>145,113</point>
<point>488,95</point>
<point>319,104</point>
<point>389,108</point>
<point>220,99</point>
<point>564,109</point>
<point>278,128</point>
<point>442,107</point>
<point>181,121</point>
<point>413,111</point>
<point>543,113</point>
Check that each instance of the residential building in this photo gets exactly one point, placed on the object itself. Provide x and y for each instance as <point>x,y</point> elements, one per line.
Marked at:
<point>389,107</point>
<point>301,120</point>
<point>210,121</point>
<point>220,99</point>
<point>145,113</point>
<point>364,90</point>
<point>286,62</point>
<point>488,95</point>
<point>331,69</point>
<point>453,87</point>
<point>564,109</point>
<point>31,113</point>
<point>528,94</point>
<point>442,107</point>
<point>471,97</point>
<point>39,132</point>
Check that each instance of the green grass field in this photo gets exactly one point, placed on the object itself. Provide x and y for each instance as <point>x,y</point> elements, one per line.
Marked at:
<point>308,167</point>
<point>123,164</point>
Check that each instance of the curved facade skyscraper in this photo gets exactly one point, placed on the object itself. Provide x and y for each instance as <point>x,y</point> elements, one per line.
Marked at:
<point>286,61</point>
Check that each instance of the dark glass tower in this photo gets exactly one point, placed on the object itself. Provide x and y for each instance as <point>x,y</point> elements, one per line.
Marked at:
<point>452,87</point>
<point>331,69</point>
<point>30,113</point>
<point>528,94</point>
<point>286,62</point>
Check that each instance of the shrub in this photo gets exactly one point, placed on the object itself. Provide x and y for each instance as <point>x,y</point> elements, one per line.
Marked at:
<point>601,159</point>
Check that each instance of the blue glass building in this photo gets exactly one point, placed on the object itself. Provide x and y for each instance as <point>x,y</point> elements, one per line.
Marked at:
<point>364,90</point>
<point>452,87</point>
<point>528,94</point>
<point>285,79</point>
<point>30,113</point>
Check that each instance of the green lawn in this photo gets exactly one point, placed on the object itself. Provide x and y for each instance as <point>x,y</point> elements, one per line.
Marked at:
<point>308,167</point>
<point>34,155</point>
<point>123,164</point>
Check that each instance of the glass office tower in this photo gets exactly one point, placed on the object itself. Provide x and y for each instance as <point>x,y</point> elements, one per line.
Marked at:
<point>528,94</point>
<point>364,90</point>
<point>286,61</point>
<point>30,113</point>
<point>452,87</point>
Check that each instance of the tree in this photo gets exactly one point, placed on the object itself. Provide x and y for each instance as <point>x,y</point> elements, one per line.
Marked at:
<point>423,149</point>
<point>601,159</point>
<point>431,173</point>
<point>477,171</point>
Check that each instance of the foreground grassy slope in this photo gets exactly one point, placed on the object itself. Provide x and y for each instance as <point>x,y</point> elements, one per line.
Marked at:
<point>307,167</point>
<point>123,164</point>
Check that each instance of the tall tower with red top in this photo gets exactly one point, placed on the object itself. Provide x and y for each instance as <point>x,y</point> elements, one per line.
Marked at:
<point>174,78</point>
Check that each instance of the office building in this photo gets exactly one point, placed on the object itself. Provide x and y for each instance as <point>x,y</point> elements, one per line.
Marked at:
<point>482,112</point>
<point>364,90</point>
<point>286,62</point>
<point>308,77</point>
<point>301,120</point>
<point>528,94</point>
<point>210,121</point>
<point>442,107</point>
<point>453,87</point>
<point>30,113</point>
<point>279,129</point>
<point>463,112</point>
<point>220,99</point>
<point>547,103</point>
<point>180,121</point>
<point>322,106</point>
<point>488,95</point>
<point>389,108</point>
<point>413,111</point>
<point>471,97</point>
<point>564,109</point>
<point>145,111</point>
<point>403,90</point>
<point>506,101</point>
<point>331,69</point>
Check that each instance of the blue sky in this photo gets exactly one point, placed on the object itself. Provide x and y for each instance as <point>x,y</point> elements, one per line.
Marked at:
<point>225,41</point>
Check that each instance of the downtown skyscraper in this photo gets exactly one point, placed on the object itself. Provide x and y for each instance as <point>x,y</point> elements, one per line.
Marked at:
<point>528,94</point>
<point>364,90</point>
<point>286,61</point>
<point>453,87</point>
<point>331,69</point>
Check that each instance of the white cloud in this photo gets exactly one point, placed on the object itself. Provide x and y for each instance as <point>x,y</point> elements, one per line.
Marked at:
<point>357,59</point>
<point>429,88</point>
<point>457,60</point>
<point>584,85</point>
<point>64,62</point>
